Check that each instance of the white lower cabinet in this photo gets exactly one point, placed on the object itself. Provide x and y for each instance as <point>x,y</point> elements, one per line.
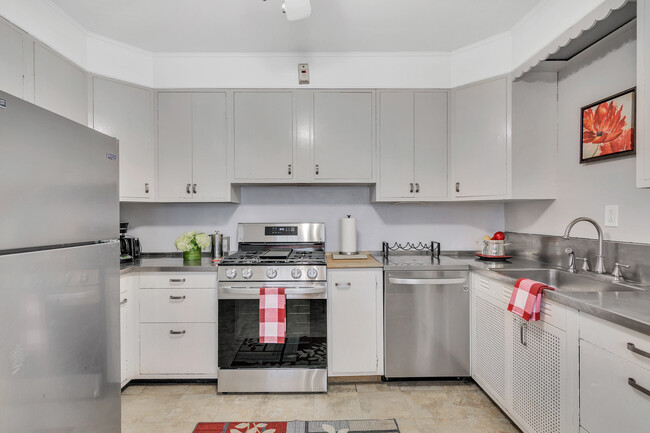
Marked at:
<point>614,377</point>
<point>124,338</point>
<point>529,368</point>
<point>178,325</point>
<point>355,322</point>
<point>128,326</point>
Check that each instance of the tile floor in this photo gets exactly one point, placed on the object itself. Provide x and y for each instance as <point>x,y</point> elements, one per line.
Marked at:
<point>423,407</point>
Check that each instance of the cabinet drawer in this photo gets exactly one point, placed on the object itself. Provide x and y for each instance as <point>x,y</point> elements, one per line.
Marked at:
<point>616,339</point>
<point>164,280</point>
<point>608,403</point>
<point>178,305</point>
<point>191,350</point>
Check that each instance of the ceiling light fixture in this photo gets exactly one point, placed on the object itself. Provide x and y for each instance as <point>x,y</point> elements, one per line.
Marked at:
<point>296,9</point>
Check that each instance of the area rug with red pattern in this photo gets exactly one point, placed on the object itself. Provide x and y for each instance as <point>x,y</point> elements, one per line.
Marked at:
<point>358,426</point>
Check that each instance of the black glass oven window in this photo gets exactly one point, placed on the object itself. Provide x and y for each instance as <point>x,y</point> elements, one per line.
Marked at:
<point>305,345</point>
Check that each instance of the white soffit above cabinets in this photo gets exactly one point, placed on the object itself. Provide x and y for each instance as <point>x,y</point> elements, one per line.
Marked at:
<point>253,26</point>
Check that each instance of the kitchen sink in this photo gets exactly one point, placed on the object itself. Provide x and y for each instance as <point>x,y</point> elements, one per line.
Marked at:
<point>566,281</point>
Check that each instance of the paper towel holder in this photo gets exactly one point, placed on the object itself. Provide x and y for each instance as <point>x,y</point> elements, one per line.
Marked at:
<point>349,253</point>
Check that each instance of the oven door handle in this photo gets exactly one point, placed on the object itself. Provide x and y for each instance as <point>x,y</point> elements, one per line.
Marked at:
<point>254,293</point>
<point>427,281</point>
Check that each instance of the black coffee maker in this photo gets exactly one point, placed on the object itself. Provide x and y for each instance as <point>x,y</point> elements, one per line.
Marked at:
<point>130,248</point>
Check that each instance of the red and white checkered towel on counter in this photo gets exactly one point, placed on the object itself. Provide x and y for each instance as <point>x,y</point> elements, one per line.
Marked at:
<point>273,315</point>
<point>526,299</point>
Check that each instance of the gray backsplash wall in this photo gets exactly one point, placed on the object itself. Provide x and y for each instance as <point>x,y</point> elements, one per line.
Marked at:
<point>458,226</point>
<point>585,189</point>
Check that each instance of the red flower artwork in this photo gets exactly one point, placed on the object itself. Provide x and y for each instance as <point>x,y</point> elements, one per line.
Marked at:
<point>608,127</point>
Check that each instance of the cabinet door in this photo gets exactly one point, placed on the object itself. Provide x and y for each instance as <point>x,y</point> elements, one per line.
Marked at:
<point>126,112</point>
<point>489,345</point>
<point>209,150</point>
<point>396,145</point>
<point>11,53</point>
<point>608,403</point>
<point>263,135</point>
<point>60,86</point>
<point>539,379</point>
<point>479,139</point>
<point>643,95</point>
<point>124,339</point>
<point>343,136</point>
<point>175,146</point>
<point>430,140</point>
<point>353,325</point>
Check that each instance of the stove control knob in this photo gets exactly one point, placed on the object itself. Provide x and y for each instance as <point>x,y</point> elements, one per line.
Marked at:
<point>296,273</point>
<point>231,273</point>
<point>271,273</point>
<point>312,273</point>
<point>247,273</point>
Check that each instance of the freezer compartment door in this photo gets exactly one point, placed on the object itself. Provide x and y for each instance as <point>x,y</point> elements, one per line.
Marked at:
<point>59,340</point>
<point>58,179</point>
<point>426,324</point>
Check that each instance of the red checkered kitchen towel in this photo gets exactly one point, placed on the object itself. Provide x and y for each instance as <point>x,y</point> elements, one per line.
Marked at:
<point>273,315</point>
<point>526,299</point>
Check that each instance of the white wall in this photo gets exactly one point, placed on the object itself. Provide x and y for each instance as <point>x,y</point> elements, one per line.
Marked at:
<point>585,189</point>
<point>456,225</point>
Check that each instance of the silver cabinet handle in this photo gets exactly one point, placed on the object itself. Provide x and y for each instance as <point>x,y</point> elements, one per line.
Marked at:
<point>523,327</point>
<point>417,187</point>
<point>289,168</point>
<point>317,169</point>
<point>343,284</point>
<point>632,348</point>
<point>633,384</point>
<point>177,298</point>
<point>172,332</point>
<point>146,188</point>
<point>187,188</point>
<point>194,188</point>
<point>427,281</point>
<point>177,280</point>
<point>411,190</point>
<point>457,186</point>
<point>124,301</point>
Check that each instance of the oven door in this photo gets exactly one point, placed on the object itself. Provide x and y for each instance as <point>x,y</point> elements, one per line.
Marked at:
<point>298,365</point>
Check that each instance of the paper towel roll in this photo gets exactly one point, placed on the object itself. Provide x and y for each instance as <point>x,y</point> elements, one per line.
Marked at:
<point>348,244</point>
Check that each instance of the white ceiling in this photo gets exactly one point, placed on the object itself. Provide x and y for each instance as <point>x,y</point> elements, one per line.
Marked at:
<point>259,26</point>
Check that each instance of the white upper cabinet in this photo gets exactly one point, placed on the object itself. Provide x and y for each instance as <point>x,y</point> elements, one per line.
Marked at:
<point>59,85</point>
<point>343,136</point>
<point>413,142</point>
<point>192,147</point>
<point>479,139</point>
<point>263,136</point>
<point>126,112</point>
<point>642,94</point>
<point>504,134</point>
<point>11,53</point>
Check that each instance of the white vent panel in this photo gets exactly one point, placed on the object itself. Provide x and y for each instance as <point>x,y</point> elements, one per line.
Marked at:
<point>490,345</point>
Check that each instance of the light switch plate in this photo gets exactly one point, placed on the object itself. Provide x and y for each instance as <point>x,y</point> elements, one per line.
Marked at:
<point>611,216</point>
<point>303,73</point>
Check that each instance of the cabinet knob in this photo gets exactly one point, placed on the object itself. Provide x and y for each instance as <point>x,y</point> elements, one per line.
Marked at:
<point>194,188</point>
<point>146,188</point>
<point>124,301</point>
<point>457,186</point>
<point>417,187</point>
<point>317,169</point>
<point>172,332</point>
<point>346,285</point>
<point>187,188</point>
<point>289,171</point>
<point>411,190</point>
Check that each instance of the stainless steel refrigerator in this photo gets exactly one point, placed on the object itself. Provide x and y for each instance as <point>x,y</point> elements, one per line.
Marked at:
<point>59,274</point>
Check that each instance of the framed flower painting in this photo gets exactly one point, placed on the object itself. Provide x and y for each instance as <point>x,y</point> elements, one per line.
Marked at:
<point>608,127</point>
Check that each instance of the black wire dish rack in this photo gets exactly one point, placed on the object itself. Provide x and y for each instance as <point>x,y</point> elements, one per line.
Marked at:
<point>432,248</point>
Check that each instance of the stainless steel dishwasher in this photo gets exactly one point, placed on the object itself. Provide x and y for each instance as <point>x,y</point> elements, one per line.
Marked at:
<point>426,322</point>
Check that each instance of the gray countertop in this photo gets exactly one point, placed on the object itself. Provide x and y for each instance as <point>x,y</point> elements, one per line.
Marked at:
<point>167,263</point>
<point>630,309</point>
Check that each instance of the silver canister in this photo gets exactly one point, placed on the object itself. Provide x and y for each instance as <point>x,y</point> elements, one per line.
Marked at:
<point>493,248</point>
<point>216,240</point>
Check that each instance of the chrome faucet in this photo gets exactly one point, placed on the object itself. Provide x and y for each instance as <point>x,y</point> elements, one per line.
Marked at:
<point>600,262</point>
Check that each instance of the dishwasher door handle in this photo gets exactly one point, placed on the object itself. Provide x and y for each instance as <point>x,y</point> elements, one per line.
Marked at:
<point>427,281</point>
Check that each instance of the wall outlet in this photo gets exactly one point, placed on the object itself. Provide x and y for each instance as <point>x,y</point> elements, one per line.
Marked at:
<point>303,73</point>
<point>611,215</point>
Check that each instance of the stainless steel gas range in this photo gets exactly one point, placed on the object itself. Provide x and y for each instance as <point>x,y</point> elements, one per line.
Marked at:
<point>288,255</point>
